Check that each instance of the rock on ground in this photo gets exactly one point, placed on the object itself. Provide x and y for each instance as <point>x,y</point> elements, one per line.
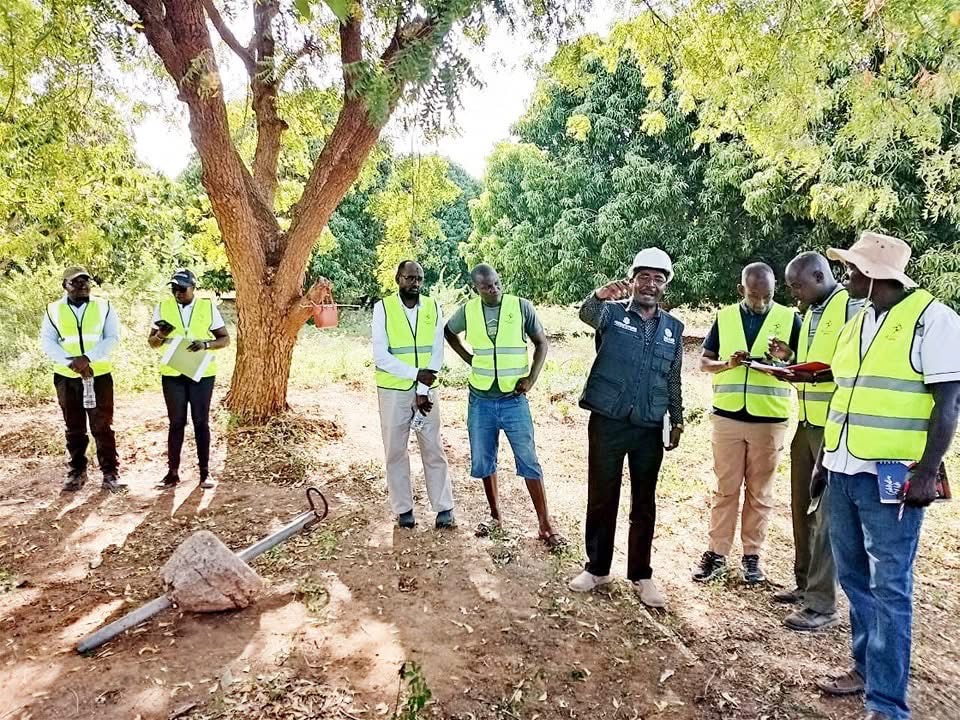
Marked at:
<point>203,575</point>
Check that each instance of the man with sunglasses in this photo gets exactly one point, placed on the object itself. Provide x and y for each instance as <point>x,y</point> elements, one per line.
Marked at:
<point>198,320</point>
<point>78,333</point>
<point>407,334</point>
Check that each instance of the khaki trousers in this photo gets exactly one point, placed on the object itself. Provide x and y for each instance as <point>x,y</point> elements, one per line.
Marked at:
<point>396,413</point>
<point>745,455</point>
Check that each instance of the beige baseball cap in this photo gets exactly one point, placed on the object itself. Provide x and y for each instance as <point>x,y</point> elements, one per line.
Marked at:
<point>880,257</point>
<point>75,271</point>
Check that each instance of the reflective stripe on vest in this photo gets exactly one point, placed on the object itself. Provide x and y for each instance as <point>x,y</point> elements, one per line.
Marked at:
<point>200,321</point>
<point>739,388</point>
<point>506,361</point>
<point>78,337</point>
<point>881,399</point>
<point>401,343</point>
<point>814,398</point>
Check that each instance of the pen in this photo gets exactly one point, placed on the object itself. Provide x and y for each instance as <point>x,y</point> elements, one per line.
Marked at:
<point>903,498</point>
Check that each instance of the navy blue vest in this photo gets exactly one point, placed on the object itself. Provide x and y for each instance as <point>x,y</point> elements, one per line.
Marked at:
<point>628,380</point>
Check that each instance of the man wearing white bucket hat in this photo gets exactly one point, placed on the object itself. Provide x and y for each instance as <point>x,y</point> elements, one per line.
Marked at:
<point>633,386</point>
<point>891,419</point>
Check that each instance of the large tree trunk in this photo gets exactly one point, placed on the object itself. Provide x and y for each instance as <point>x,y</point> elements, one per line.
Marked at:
<point>264,353</point>
<point>268,264</point>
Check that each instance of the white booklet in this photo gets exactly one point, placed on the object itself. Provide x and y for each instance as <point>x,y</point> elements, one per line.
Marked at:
<point>191,364</point>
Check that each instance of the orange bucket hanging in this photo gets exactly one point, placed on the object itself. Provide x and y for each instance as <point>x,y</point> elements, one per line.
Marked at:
<point>325,313</point>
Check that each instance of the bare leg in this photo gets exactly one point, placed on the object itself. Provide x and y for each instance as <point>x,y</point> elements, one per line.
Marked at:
<point>490,488</point>
<point>539,496</point>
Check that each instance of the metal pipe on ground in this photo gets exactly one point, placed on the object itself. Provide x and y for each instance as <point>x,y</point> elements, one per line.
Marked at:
<point>304,522</point>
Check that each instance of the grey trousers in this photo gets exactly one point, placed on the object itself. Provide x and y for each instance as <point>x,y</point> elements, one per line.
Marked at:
<point>815,571</point>
<point>396,413</point>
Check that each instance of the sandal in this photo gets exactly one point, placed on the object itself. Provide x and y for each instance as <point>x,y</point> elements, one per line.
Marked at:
<point>554,541</point>
<point>487,528</point>
<point>847,682</point>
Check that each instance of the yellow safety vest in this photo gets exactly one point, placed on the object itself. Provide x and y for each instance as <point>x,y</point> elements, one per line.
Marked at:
<point>200,321</point>
<point>505,361</point>
<point>414,349</point>
<point>881,399</point>
<point>740,387</point>
<point>78,337</point>
<point>815,397</point>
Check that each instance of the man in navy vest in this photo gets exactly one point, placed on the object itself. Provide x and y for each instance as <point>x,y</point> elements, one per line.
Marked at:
<point>633,393</point>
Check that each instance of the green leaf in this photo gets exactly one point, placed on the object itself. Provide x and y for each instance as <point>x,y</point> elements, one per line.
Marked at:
<point>303,9</point>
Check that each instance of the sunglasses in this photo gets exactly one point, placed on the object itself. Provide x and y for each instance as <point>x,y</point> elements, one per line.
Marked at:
<point>179,288</point>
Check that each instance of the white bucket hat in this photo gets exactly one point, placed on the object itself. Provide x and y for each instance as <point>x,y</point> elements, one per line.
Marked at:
<point>654,258</point>
<point>879,257</point>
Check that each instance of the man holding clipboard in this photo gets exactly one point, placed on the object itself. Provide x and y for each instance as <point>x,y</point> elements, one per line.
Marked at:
<point>827,307</point>
<point>185,329</point>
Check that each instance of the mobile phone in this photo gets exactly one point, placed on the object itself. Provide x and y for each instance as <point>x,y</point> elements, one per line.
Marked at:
<point>164,325</point>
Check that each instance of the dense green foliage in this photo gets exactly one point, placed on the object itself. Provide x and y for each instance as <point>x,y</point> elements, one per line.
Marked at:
<point>645,138</point>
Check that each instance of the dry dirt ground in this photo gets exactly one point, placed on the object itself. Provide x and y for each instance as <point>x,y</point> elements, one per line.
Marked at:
<point>489,622</point>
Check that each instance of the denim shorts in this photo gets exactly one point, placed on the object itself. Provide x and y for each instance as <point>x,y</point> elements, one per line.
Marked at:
<point>486,417</point>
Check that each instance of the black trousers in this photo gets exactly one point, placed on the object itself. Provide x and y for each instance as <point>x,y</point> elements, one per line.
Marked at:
<point>179,392</point>
<point>609,441</point>
<point>70,396</point>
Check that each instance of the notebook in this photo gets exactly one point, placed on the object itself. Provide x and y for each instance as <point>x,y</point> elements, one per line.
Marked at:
<point>191,364</point>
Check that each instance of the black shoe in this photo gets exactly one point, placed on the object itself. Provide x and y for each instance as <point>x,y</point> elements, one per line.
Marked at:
<point>75,481</point>
<point>712,566</point>
<point>752,573</point>
<point>170,479</point>
<point>445,520</point>
<point>406,520</point>
<point>111,483</point>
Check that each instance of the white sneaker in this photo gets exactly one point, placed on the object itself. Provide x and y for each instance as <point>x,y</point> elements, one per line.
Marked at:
<point>585,582</point>
<point>650,594</point>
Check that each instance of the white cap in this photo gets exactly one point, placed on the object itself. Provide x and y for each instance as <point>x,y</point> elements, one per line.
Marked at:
<point>653,258</point>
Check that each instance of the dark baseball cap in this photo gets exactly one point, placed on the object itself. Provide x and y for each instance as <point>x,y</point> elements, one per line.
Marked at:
<point>75,271</point>
<point>183,277</point>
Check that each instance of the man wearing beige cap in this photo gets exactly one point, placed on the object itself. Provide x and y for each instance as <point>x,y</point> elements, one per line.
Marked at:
<point>78,333</point>
<point>892,416</point>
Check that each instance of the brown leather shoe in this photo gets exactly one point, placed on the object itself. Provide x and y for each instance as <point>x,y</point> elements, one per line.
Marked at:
<point>845,682</point>
<point>807,620</point>
<point>788,596</point>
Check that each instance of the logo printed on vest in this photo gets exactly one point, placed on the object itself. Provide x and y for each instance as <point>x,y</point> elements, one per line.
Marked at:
<point>668,337</point>
<point>626,321</point>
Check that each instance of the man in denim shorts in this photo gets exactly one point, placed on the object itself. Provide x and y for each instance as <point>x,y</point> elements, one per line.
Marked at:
<point>497,327</point>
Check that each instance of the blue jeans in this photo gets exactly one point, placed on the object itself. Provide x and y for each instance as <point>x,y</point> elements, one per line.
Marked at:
<point>486,417</point>
<point>874,553</point>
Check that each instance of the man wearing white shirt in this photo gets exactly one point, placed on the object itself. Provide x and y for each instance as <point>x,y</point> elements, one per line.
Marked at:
<point>408,353</point>
<point>897,372</point>
<point>197,321</point>
<point>78,333</point>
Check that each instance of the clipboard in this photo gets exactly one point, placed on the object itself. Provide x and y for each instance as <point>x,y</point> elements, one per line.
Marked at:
<point>191,364</point>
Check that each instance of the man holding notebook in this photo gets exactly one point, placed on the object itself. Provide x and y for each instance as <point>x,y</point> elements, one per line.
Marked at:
<point>185,329</point>
<point>827,307</point>
<point>891,419</point>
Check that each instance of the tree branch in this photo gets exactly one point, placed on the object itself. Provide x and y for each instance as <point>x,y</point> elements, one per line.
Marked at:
<point>264,85</point>
<point>226,34</point>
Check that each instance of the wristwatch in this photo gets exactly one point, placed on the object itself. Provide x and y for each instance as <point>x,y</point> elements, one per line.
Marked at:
<point>206,344</point>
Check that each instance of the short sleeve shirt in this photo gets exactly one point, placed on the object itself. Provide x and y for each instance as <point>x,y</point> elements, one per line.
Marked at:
<point>491,315</point>
<point>936,353</point>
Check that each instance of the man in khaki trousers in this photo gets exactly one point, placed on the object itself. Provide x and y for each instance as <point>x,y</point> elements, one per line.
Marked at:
<point>750,412</point>
<point>407,335</point>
